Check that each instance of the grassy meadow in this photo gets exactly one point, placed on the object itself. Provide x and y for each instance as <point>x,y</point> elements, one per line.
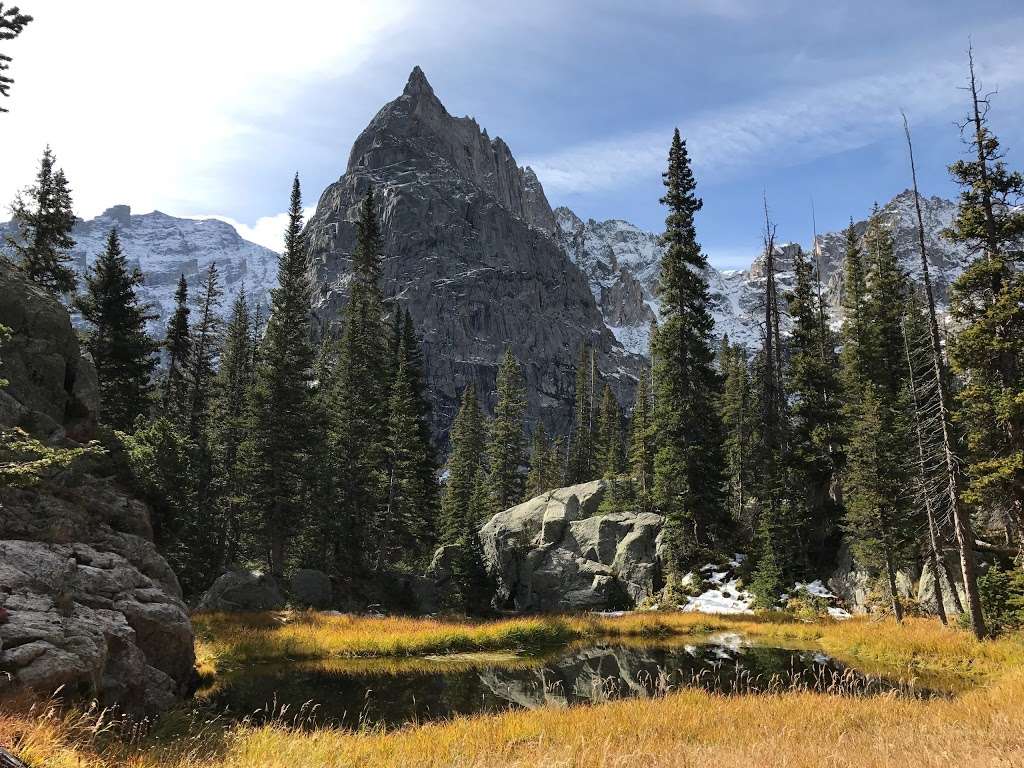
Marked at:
<point>983,726</point>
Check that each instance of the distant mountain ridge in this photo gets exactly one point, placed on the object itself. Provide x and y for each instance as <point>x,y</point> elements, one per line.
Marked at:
<point>622,264</point>
<point>165,247</point>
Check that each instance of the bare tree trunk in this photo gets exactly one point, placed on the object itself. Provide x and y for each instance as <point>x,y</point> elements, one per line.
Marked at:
<point>933,554</point>
<point>890,570</point>
<point>961,517</point>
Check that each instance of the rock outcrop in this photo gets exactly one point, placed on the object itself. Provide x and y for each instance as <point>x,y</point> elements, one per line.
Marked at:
<point>52,388</point>
<point>470,250</point>
<point>559,552</point>
<point>86,601</point>
<point>242,590</point>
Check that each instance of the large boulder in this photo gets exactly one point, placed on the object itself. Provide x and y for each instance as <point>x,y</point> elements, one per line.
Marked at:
<point>853,582</point>
<point>52,386</point>
<point>926,586</point>
<point>559,552</point>
<point>86,601</point>
<point>311,587</point>
<point>241,590</point>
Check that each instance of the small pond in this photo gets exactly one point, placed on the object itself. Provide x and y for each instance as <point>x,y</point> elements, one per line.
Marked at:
<point>354,693</point>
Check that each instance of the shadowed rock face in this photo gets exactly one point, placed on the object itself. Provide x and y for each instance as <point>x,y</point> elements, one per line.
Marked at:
<point>86,601</point>
<point>470,251</point>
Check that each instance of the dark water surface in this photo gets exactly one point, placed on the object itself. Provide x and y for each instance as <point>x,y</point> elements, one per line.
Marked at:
<point>354,693</point>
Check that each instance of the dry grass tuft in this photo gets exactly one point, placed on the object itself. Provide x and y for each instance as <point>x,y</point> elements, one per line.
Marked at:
<point>982,727</point>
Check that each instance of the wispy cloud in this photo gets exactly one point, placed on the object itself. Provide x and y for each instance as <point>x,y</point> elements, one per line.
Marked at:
<point>791,128</point>
<point>267,231</point>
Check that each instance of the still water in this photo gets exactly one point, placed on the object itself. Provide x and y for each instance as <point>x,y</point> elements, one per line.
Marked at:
<point>358,693</point>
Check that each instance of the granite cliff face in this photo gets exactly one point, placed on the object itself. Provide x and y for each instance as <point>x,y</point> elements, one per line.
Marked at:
<point>470,249</point>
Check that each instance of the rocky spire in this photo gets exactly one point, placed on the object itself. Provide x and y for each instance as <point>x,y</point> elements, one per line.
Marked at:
<point>417,84</point>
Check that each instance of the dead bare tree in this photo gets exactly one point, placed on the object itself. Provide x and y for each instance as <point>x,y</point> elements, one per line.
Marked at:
<point>961,518</point>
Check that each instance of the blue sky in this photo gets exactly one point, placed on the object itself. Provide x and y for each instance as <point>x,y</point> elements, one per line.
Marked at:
<point>207,108</point>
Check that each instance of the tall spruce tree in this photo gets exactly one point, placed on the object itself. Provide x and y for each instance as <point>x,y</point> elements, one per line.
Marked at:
<point>581,454</point>
<point>738,416</point>
<point>228,425</point>
<point>401,525</point>
<point>359,402</point>
<point>505,444</point>
<point>465,461</point>
<point>540,457</point>
<point>879,519</point>
<point>43,219</point>
<point>281,429</point>
<point>12,24</point>
<point>987,303</point>
<point>117,341</point>
<point>178,350</point>
<point>814,420</point>
<point>688,464</point>
<point>205,345</point>
<point>641,448</point>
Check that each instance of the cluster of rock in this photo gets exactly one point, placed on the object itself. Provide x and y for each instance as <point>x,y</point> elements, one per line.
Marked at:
<point>87,604</point>
<point>560,552</point>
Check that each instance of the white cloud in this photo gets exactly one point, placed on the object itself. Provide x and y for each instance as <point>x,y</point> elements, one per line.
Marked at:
<point>141,99</point>
<point>791,128</point>
<point>268,231</point>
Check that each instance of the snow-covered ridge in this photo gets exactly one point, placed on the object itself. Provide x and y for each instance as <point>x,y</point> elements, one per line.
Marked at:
<point>165,247</point>
<point>621,262</point>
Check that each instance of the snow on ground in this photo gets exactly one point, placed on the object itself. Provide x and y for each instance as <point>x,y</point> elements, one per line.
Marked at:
<point>727,597</point>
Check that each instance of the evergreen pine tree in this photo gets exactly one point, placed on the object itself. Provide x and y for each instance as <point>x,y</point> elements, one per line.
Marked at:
<point>118,342</point>
<point>12,23</point>
<point>641,449</point>
<point>469,573</point>
<point>178,348</point>
<point>987,303</point>
<point>879,519</point>
<point>281,430</point>
<point>738,414</point>
<point>581,463</point>
<point>401,526</point>
<point>505,444</point>
<point>540,457</point>
<point>814,420</point>
<point>468,436</point>
<point>228,425</point>
<point>358,404</point>
<point>205,343</point>
<point>43,218</point>
<point>688,464</point>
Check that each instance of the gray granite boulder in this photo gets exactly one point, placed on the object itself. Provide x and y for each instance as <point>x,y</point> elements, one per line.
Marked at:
<point>311,587</point>
<point>242,590</point>
<point>559,552</point>
<point>86,601</point>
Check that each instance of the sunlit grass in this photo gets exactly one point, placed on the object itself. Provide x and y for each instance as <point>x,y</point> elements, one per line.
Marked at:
<point>919,645</point>
<point>981,727</point>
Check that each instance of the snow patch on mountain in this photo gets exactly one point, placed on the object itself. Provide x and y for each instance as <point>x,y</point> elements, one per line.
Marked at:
<point>165,247</point>
<point>622,265</point>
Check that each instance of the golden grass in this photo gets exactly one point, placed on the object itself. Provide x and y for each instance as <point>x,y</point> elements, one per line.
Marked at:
<point>917,646</point>
<point>982,727</point>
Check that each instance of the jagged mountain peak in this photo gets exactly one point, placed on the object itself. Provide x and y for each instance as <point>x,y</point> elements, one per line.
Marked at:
<point>417,83</point>
<point>470,250</point>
